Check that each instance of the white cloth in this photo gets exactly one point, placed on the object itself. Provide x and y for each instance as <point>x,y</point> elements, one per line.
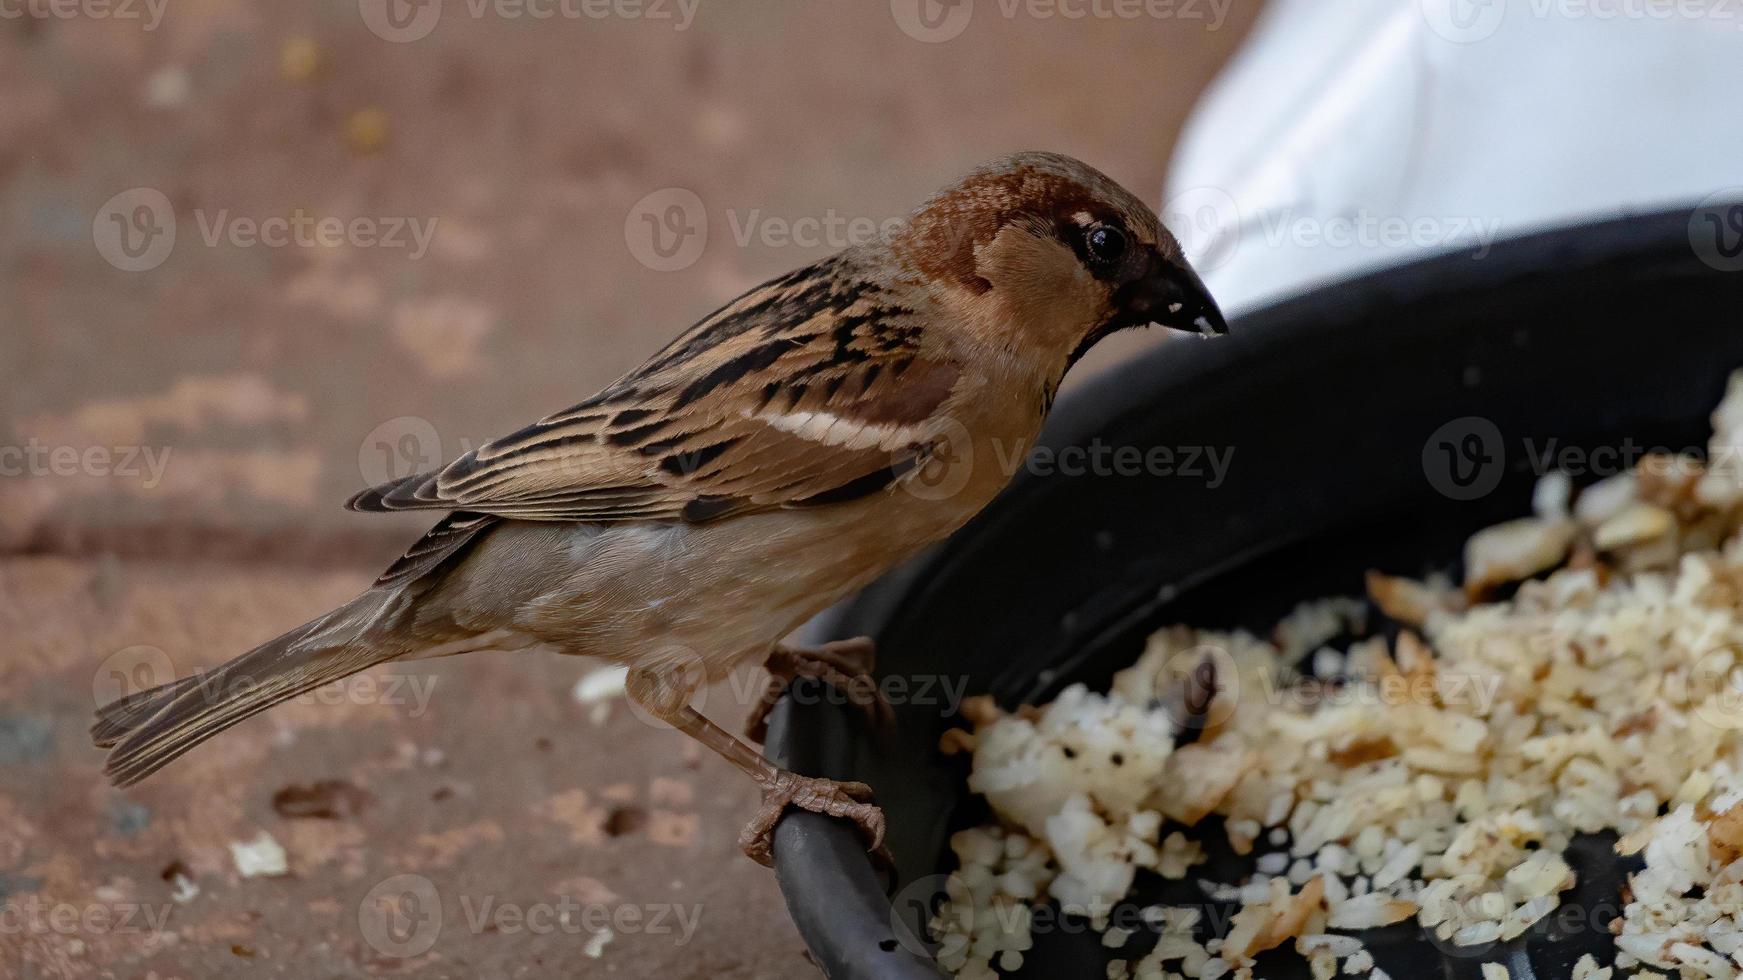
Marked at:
<point>1354,134</point>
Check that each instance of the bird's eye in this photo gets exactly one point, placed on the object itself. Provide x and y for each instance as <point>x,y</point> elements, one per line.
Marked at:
<point>1106,245</point>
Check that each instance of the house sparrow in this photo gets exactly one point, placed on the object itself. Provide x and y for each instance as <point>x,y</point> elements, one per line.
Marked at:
<point>770,461</point>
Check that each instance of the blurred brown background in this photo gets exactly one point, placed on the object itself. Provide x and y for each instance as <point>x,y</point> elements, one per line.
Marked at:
<point>487,214</point>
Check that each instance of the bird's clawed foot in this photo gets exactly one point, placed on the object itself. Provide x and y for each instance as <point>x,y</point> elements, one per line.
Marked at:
<point>852,801</point>
<point>844,664</point>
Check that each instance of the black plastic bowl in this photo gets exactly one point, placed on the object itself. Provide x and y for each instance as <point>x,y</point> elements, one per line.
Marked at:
<point>1374,424</point>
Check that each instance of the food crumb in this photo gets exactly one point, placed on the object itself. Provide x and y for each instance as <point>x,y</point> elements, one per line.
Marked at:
<point>595,946</point>
<point>261,857</point>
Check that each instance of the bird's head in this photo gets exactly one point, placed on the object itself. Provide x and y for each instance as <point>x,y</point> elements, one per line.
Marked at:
<point>1047,255</point>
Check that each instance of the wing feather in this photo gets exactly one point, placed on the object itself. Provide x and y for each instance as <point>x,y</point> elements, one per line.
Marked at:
<point>809,389</point>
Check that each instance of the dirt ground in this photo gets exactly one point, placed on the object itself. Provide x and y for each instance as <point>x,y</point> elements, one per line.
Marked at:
<point>527,821</point>
<point>529,205</point>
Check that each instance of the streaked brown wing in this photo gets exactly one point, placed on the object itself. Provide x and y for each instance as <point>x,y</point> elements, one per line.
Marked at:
<point>810,389</point>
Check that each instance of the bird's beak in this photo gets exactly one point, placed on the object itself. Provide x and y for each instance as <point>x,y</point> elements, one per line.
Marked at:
<point>1196,311</point>
<point>1170,293</point>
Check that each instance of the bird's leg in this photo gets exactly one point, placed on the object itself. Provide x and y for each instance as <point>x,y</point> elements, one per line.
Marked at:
<point>669,700</point>
<point>844,664</point>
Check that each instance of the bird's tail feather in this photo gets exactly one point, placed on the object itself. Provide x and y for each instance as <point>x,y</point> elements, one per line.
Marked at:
<point>147,730</point>
<point>122,715</point>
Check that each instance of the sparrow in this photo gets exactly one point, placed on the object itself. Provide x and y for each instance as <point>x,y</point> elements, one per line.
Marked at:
<point>776,457</point>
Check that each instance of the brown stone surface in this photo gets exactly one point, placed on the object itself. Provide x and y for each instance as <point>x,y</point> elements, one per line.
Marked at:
<point>217,407</point>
